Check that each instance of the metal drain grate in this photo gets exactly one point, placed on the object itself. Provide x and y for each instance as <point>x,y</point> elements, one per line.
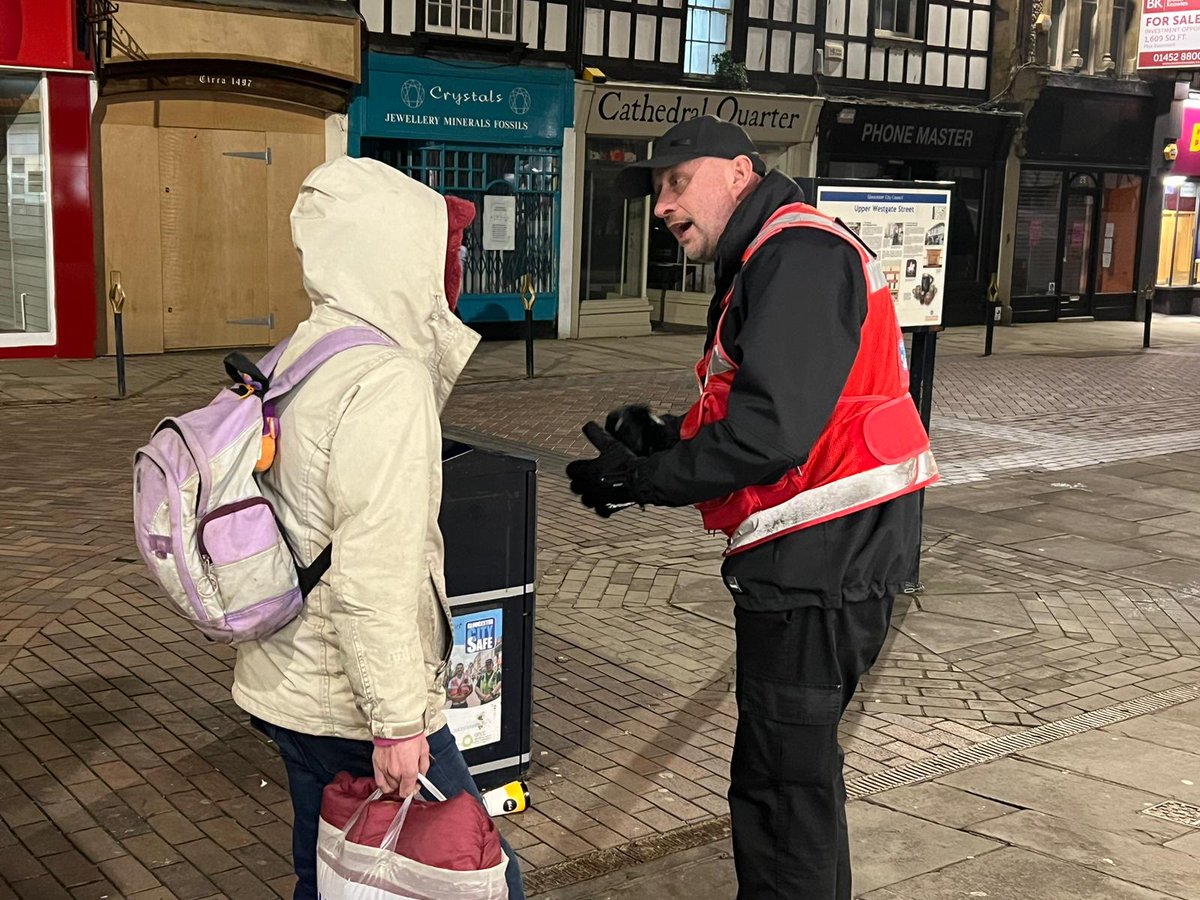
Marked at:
<point>1175,811</point>
<point>604,862</point>
<point>1015,743</point>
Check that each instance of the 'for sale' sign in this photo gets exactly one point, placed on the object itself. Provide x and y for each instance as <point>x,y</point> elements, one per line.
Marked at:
<point>1170,36</point>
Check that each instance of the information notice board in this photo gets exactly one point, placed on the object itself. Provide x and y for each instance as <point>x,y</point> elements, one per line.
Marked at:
<point>906,227</point>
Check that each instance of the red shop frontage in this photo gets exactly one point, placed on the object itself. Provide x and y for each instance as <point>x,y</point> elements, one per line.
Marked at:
<point>47,259</point>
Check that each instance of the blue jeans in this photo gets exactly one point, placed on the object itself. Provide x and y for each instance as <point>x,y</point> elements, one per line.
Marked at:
<point>312,762</point>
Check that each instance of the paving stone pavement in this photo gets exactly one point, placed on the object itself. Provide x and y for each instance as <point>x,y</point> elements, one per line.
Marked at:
<point>125,769</point>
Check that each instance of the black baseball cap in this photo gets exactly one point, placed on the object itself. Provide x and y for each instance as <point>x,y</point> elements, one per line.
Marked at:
<point>690,139</point>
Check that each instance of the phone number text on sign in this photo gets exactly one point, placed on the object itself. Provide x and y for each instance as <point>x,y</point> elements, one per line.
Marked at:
<point>1169,59</point>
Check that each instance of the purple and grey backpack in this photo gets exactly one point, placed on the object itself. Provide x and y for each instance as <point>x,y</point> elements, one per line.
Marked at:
<point>208,535</point>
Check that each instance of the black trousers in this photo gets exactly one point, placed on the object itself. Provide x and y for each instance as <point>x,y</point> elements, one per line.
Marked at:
<point>796,673</point>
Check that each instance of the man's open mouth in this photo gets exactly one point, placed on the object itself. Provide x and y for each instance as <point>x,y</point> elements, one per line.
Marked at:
<point>679,229</point>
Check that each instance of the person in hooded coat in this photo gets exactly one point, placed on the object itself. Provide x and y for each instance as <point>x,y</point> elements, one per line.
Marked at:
<point>355,682</point>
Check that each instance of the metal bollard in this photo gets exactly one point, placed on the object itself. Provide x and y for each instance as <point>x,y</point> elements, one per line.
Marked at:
<point>994,312</point>
<point>528,298</point>
<point>116,299</point>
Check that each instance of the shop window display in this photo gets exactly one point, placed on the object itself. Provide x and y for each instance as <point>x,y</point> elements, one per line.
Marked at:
<point>614,229</point>
<point>1177,244</point>
<point>25,281</point>
<point>1119,217</point>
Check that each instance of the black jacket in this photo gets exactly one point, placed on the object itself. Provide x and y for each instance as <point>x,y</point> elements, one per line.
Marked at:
<point>793,327</point>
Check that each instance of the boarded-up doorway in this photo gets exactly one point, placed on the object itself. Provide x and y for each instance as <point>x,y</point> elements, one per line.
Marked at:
<point>196,202</point>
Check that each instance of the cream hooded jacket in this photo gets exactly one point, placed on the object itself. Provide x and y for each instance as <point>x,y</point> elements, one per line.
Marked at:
<point>359,465</point>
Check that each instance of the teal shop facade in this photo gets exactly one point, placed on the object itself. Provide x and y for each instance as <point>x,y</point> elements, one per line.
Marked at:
<point>491,134</point>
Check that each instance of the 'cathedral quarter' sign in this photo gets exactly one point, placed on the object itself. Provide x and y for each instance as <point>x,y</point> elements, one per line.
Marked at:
<point>637,110</point>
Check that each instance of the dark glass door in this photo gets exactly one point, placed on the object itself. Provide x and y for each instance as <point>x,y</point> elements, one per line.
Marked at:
<point>1080,222</point>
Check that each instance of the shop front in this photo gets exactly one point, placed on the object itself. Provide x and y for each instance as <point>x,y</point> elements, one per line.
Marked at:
<point>46,255</point>
<point>631,271</point>
<point>492,134</point>
<point>911,143</point>
<point>1082,186</point>
<point>1177,275</point>
<point>209,119</point>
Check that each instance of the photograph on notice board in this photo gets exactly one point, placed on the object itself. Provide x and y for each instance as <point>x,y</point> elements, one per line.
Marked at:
<point>891,275</point>
<point>906,227</point>
<point>926,290</point>
<point>473,678</point>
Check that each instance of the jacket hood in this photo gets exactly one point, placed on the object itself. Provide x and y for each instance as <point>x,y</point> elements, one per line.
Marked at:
<point>372,245</point>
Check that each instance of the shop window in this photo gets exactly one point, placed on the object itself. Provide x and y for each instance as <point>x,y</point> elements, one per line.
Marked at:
<point>671,270</point>
<point>966,205</point>
<point>25,277</point>
<point>845,169</point>
<point>896,18</point>
<point>1035,255</point>
<point>1177,249</point>
<point>526,243</point>
<point>1120,209</point>
<point>707,35</point>
<point>473,18</point>
<point>613,255</point>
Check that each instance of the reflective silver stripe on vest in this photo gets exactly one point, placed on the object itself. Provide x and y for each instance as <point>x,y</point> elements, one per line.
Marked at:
<point>717,363</point>
<point>830,500</point>
<point>799,218</point>
<point>875,279</point>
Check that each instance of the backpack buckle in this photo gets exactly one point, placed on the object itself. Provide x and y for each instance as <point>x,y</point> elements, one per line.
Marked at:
<point>247,378</point>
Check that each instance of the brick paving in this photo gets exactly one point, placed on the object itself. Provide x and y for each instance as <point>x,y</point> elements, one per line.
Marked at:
<point>125,769</point>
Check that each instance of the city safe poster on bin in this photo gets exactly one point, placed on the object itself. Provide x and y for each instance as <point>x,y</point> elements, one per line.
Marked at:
<point>473,679</point>
<point>906,227</point>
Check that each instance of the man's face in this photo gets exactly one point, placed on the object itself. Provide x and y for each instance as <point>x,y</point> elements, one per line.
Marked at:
<point>458,670</point>
<point>490,665</point>
<point>695,199</point>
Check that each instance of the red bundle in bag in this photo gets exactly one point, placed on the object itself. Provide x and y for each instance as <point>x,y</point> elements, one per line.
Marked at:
<point>457,834</point>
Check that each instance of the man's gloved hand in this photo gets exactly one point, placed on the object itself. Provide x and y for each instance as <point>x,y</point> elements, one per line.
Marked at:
<point>605,483</point>
<point>642,431</point>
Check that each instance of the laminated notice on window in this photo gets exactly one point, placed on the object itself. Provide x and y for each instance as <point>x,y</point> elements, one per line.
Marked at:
<point>499,223</point>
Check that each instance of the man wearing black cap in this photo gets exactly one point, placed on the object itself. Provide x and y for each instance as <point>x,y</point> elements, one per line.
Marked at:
<point>802,350</point>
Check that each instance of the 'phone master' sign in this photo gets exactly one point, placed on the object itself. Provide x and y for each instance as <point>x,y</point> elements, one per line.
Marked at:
<point>481,635</point>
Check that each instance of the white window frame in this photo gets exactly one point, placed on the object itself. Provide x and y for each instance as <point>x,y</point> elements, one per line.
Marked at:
<point>914,10</point>
<point>710,9</point>
<point>487,9</point>
<point>49,337</point>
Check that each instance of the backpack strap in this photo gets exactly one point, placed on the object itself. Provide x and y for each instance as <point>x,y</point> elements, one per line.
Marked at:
<point>311,575</point>
<point>322,350</point>
<point>325,348</point>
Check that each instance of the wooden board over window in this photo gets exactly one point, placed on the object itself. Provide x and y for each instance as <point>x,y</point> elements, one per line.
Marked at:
<point>165,30</point>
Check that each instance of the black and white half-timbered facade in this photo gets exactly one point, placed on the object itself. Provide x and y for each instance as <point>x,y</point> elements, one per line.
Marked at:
<point>934,47</point>
<point>794,73</point>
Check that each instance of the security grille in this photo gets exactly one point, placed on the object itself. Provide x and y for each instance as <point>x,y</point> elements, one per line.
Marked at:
<point>530,174</point>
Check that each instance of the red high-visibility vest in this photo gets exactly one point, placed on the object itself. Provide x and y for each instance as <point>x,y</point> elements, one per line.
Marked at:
<point>873,448</point>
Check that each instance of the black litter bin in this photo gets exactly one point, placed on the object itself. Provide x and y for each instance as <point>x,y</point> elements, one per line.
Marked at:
<point>488,521</point>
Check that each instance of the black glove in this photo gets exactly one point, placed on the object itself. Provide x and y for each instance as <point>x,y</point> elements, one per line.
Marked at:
<point>641,430</point>
<point>605,483</point>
